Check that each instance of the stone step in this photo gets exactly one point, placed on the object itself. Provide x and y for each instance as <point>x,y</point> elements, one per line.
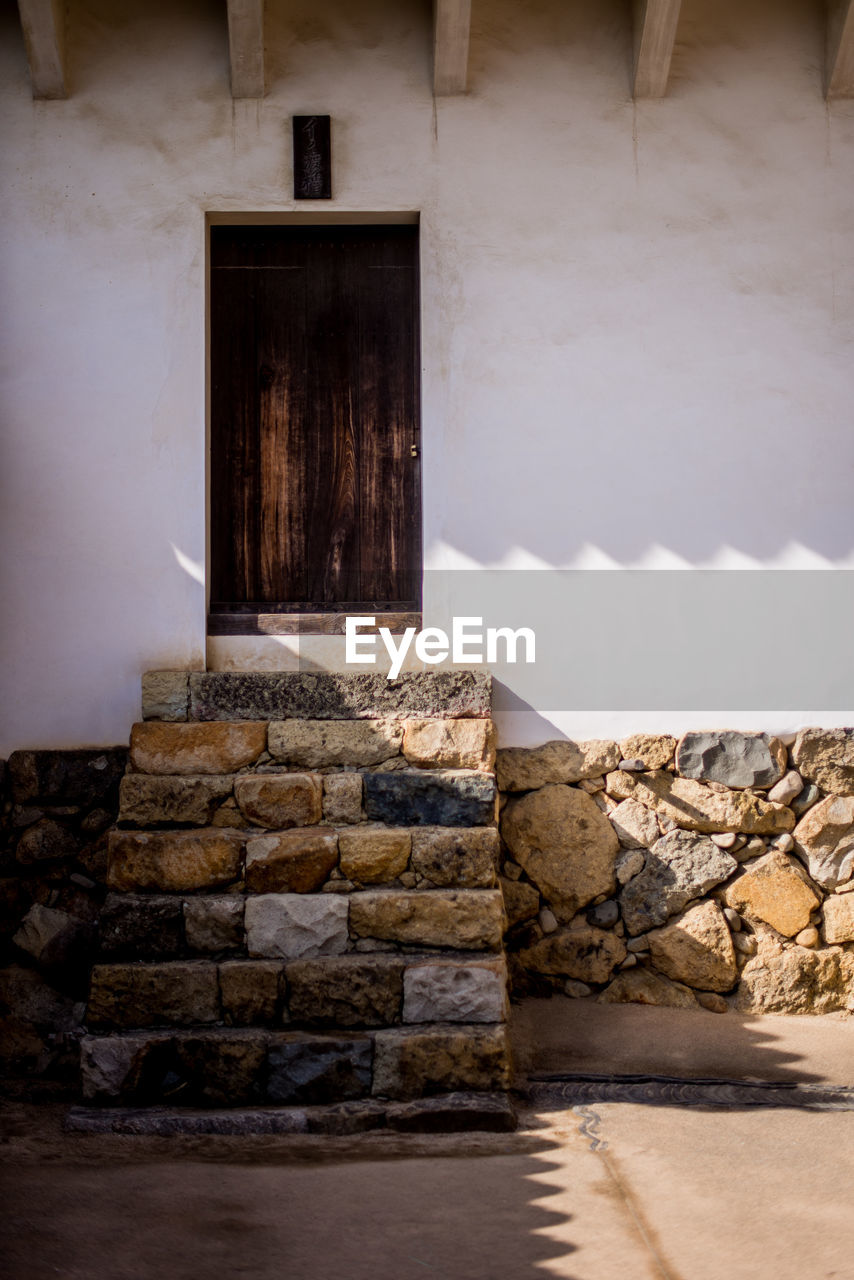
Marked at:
<point>444,1113</point>
<point>280,801</point>
<point>163,927</point>
<point>256,695</point>
<point>227,1068</point>
<point>329,991</point>
<point>224,747</point>
<point>419,797</point>
<point>290,926</point>
<point>303,906</point>
<point>301,860</point>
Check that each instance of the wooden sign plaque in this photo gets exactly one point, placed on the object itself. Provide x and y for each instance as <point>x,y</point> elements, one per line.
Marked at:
<point>312,158</point>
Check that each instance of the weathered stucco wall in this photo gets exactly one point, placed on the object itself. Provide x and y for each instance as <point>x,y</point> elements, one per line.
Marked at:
<point>637,320</point>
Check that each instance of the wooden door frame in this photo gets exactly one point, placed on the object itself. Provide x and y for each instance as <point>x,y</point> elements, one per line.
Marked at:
<point>287,622</point>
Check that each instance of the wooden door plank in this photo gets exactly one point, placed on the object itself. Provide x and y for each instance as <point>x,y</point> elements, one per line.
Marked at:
<point>281,362</point>
<point>235,496</point>
<point>329,457</point>
<point>389,473</point>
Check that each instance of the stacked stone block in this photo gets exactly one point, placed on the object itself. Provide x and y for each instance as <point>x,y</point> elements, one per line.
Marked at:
<point>55,809</point>
<point>716,871</point>
<point>303,906</point>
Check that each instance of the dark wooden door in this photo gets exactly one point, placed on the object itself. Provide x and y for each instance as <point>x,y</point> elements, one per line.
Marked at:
<point>315,474</point>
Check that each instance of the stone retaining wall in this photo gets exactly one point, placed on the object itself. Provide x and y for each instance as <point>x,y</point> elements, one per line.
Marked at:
<point>56,808</point>
<point>338,876</point>
<point>716,871</point>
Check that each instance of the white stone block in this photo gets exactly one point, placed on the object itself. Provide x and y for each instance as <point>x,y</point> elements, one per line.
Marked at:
<point>289,926</point>
<point>455,991</point>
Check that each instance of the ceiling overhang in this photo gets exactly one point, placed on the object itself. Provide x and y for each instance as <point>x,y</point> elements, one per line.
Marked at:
<point>655,30</point>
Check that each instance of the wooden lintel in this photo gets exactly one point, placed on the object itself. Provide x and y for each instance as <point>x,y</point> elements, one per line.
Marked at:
<point>840,49</point>
<point>451,24</point>
<point>44,36</point>
<point>655,36</point>
<point>246,47</point>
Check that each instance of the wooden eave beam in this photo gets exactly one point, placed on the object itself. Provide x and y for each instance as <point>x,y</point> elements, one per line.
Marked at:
<point>655,36</point>
<point>246,47</point>
<point>451,25</point>
<point>840,49</point>
<point>43,25</point>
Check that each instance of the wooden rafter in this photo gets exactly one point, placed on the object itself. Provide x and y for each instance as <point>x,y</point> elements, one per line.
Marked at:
<point>246,47</point>
<point>655,36</point>
<point>44,36</point>
<point>451,24</point>
<point>840,50</point>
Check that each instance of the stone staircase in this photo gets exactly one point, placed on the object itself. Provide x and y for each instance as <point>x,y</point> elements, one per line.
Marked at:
<point>303,930</point>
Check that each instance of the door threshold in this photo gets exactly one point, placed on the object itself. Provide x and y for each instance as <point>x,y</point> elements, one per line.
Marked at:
<point>303,624</point>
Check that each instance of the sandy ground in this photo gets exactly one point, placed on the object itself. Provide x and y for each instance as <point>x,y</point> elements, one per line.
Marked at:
<point>614,1190</point>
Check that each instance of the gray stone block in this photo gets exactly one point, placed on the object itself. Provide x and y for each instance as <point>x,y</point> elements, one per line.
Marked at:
<point>181,993</point>
<point>678,868</point>
<point>455,991</point>
<point>174,860</point>
<point>291,861</point>
<point>25,997</point>
<point>214,924</point>
<point>58,942</point>
<point>169,1122</point>
<point>279,801</point>
<point>118,1068</point>
<point>447,1113</point>
<point>289,926</point>
<point>74,777</point>
<point>219,1068</point>
<point>139,927</point>
<point>44,841</point>
<point>466,919</point>
<point>255,695</point>
<point>318,744</point>
<point>418,797</point>
<point>150,799</point>
<point>343,1118</point>
<point>313,1070</point>
<point>825,756</point>
<point>731,758</point>
<point>342,798</point>
<point>250,992</point>
<point>412,1062</point>
<point>165,695</point>
<point>456,857</point>
<point>218,747</point>
<point>346,991</point>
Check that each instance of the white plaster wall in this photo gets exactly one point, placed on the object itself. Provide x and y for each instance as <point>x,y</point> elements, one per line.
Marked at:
<point>637,320</point>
